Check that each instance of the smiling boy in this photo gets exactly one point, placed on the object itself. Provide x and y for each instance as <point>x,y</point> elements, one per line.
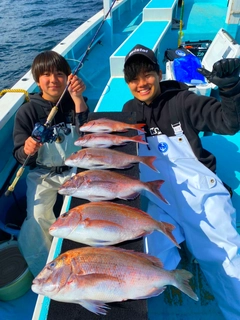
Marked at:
<point>52,74</point>
<point>199,206</point>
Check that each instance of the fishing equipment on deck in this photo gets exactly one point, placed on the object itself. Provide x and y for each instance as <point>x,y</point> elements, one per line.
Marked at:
<point>15,277</point>
<point>45,130</point>
<point>221,47</point>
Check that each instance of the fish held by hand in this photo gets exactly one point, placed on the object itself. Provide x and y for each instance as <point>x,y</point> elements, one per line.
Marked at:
<point>106,223</point>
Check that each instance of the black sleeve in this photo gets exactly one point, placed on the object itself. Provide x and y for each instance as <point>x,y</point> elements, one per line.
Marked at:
<point>80,119</point>
<point>209,114</point>
<point>23,126</point>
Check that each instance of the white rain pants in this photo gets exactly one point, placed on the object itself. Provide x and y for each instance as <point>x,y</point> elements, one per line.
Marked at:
<point>201,209</point>
<point>42,186</point>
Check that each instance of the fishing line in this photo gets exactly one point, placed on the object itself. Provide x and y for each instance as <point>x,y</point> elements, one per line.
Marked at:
<point>55,108</point>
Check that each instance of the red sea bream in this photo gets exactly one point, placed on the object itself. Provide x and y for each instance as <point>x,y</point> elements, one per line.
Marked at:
<point>108,125</point>
<point>107,223</point>
<point>106,140</point>
<point>104,158</point>
<point>93,277</point>
<point>98,185</point>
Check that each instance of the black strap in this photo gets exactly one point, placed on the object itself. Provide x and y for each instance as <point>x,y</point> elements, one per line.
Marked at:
<point>173,114</point>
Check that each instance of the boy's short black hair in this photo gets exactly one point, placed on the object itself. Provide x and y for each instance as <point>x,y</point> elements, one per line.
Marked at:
<point>139,59</point>
<point>138,64</point>
<point>49,61</point>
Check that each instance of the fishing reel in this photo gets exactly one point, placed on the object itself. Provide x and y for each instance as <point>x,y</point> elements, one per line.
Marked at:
<point>42,133</point>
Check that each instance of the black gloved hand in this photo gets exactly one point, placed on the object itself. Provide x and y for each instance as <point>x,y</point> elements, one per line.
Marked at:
<point>225,72</point>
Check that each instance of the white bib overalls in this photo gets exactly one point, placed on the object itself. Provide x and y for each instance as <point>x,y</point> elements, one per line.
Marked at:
<point>201,209</point>
<point>42,187</point>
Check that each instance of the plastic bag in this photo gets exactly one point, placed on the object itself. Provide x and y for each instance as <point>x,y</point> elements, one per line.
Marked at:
<point>185,70</point>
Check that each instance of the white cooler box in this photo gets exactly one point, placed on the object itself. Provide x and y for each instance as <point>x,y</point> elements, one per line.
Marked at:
<point>222,46</point>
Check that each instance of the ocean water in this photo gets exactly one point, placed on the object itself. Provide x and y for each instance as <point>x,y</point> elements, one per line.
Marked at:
<point>31,26</point>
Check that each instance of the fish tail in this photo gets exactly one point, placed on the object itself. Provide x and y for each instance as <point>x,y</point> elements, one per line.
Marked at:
<point>154,186</point>
<point>182,282</point>
<point>167,229</point>
<point>148,160</point>
<point>139,126</point>
<point>139,139</point>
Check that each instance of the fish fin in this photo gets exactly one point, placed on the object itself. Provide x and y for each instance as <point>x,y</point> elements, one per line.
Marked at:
<point>139,139</point>
<point>131,196</point>
<point>153,293</point>
<point>139,126</point>
<point>167,228</point>
<point>148,161</point>
<point>182,282</point>
<point>95,306</point>
<point>101,145</point>
<point>99,243</point>
<point>153,187</point>
<point>124,167</point>
<point>154,260</point>
<point>97,198</point>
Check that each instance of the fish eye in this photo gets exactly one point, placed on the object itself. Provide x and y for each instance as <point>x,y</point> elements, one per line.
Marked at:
<point>64,215</point>
<point>51,265</point>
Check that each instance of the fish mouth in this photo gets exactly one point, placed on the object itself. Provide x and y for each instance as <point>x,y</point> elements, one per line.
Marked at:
<point>87,127</point>
<point>68,162</point>
<point>60,231</point>
<point>35,287</point>
<point>52,230</point>
<point>66,191</point>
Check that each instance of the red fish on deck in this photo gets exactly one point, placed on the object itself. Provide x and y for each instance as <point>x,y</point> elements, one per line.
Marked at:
<point>107,125</point>
<point>93,277</point>
<point>104,158</point>
<point>97,185</point>
<point>106,140</point>
<point>107,223</point>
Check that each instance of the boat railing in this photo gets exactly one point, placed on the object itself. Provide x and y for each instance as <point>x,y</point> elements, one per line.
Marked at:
<point>233,13</point>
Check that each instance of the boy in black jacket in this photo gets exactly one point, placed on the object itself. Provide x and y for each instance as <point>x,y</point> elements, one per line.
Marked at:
<point>198,203</point>
<point>46,160</point>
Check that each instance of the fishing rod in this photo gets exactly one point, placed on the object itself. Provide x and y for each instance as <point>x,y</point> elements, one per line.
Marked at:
<point>80,64</point>
<point>55,108</point>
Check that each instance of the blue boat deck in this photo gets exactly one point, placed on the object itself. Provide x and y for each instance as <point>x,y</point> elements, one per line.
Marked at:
<point>205,17</point>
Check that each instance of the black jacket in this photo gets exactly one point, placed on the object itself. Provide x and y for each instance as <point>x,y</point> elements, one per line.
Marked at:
<point>195,113</point>
<point>37,110</point>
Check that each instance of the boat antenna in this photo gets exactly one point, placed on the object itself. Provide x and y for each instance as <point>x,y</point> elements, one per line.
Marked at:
<point>55,108</point>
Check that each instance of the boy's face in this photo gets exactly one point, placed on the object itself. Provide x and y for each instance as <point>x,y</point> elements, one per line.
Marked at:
<point>52,85</point>
<point>145,87</point>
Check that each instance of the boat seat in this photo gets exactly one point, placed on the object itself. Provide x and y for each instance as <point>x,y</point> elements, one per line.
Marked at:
<point>148,33</point>
<point>159,10</point>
